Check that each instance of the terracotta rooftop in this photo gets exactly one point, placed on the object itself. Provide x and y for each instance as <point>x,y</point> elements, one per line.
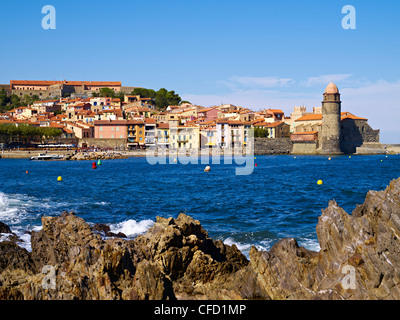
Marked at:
<point>318,116</point>
<point>305,132</point>
<point>274,124</point>
<point>73,83</point>
<point>279,111</point>
<point>163,125</point>
<point>310,117</point>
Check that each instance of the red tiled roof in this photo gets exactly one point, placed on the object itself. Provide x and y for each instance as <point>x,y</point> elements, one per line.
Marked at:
<point>110,122</point>
<point>310,117</point>
<point>73,83</point>
<point>163,125</point>
<point>305,132</point>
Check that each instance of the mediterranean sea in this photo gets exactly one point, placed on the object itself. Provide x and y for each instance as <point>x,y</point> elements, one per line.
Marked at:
<point>280,199</point>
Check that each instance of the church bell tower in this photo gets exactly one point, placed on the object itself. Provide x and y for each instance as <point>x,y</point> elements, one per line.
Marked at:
<point>331,125</point>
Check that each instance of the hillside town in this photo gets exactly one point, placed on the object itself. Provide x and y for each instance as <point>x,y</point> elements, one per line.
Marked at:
<point>132,122</point>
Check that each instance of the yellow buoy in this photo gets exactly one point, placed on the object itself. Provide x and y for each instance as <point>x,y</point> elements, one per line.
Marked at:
<point>319,182</point>
<point>349,157</point>
<point>207,169</point>
<point>59,178</point>
<point>329,158</point>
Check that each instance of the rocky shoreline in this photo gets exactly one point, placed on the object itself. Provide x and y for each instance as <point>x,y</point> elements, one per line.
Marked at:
<point>96,156</point>
<point>176,259</point>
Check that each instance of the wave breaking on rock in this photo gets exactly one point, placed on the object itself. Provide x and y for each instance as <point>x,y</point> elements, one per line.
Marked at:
<point>176,259</point>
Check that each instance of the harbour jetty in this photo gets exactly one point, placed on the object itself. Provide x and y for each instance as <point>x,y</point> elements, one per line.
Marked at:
<point>96,156</point>
<point>176,259</point>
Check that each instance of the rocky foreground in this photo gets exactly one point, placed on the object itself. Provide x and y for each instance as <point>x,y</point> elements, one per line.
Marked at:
<point>176,259</point>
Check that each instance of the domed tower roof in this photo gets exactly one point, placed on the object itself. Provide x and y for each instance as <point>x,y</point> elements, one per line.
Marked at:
<point>331,88</point>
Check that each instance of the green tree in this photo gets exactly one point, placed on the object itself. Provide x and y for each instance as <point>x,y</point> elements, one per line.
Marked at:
<point>15,101</point>
<point>28,100</point>
<point>120,95</point>
<point>161,98</point>
<point>106,92</point>
<point>4,101</point>
<point>144,93</point>
<point>165,98</point>
<point>260,132</point>
<point>25,133</point>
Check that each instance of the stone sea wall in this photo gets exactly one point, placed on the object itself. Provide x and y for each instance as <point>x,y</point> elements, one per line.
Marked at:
<point>176,259</point>
<point>272,146</point>
<point>103,143</point>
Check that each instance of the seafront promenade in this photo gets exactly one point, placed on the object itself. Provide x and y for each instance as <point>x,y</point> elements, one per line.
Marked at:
<point>15,154</point>
<point>25,154</point>
<point>90,155</point>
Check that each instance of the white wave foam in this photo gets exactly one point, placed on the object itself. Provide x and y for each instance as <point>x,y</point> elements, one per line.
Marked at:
<point>263,245</point>
<point>309,244</point>
<point>10,208</point>
<point>132,228</point>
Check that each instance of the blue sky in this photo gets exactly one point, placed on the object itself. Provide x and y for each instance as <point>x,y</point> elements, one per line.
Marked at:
<point>254,53</point>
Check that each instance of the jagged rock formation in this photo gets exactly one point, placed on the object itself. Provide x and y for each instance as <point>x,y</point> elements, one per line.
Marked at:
<point>176,259</point>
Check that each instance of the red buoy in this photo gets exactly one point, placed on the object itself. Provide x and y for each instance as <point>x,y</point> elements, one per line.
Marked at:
<point>94,165</point>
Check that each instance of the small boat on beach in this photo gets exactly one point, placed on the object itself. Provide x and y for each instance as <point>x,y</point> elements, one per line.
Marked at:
<point>45,156</point>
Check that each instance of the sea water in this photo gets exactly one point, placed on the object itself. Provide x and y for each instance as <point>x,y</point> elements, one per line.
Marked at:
<point>280,199</point>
